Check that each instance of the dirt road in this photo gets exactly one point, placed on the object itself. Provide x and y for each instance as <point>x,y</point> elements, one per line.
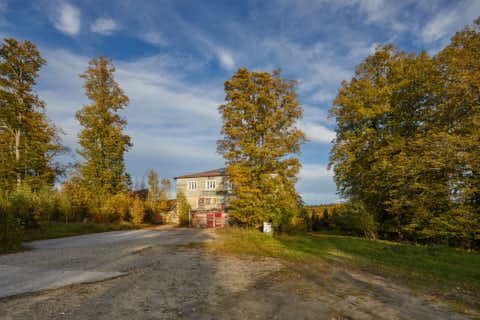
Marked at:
<point>164,275</point>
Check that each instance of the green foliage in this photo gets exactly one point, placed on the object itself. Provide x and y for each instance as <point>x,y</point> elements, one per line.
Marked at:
<point>11,230</point>
<point>408,130</point>
<point>183,209</point>
<point>28,140</point>
<point>102,141</point>
<point>352,218</point>
<point>259,138</point>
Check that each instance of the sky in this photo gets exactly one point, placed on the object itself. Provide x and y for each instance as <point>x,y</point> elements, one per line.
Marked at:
<point>172,58</point>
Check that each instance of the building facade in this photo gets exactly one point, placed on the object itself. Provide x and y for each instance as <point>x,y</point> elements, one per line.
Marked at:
<point>208,194</point>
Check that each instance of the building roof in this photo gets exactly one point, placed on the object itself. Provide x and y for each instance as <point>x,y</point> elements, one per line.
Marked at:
<point>142,194</point>
<point>171,204</point>
<point>210,173</point>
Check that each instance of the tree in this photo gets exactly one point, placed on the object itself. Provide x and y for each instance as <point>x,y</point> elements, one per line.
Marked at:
<point>102,141</point>
<point>28,141</point>
<point>153,190</point>
<point>166,186</point>
<point>406,149</point>
<point>259,145</point>
<point>183,209</point>
<point>381,115</point>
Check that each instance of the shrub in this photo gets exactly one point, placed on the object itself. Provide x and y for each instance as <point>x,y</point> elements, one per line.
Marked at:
<point>183,208</point>
<point>137,211</point>
<point>353,218</point>
<point>76,203</point>
<point>11,230</point>
<point>115,208</point>
<point>22,204</point>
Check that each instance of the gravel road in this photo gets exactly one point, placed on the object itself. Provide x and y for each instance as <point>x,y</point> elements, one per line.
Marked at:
<point>163,274</point>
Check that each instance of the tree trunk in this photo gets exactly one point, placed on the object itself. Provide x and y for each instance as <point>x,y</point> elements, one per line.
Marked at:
<point>18,135</point>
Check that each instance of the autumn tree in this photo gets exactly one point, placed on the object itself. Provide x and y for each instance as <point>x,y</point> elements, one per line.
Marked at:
<point>457,133</point>
<point>183,209</point>
<point>407,141</point>
<point>102,141</point>
<point>166,185</point>
<point>260,141</point>
<point>29,142</point>
<point>153,186</point>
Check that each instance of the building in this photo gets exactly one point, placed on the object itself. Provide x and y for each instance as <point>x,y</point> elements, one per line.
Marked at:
<point>208,194</point>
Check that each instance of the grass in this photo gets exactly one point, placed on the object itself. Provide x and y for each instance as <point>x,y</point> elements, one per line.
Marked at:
<point>53,230</point>
<point>441,266</point>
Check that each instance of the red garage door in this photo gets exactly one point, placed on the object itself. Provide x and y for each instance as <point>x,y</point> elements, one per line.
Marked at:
<point>218,220</point>
<point>214,220</point>
<point>210,220</point>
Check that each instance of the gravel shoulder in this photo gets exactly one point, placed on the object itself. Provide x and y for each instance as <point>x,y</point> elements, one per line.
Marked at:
<point>168,276</point>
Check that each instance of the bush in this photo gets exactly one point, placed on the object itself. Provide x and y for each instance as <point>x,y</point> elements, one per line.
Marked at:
<point>183,210</point>
<point>22,204</point>
<point>76,203</point>
<point>11,230</point>
<point>354,219</point>
<point>116,208</point>
<point>137,211</point>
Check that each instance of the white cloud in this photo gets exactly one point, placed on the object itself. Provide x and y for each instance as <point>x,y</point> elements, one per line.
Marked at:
<point>226,59</point>
<point>444,24</point>
<point>361,49</point>
<point>105,26</point>
<point>317,115</point>
<point>315,171</point>
<point>67,19</point>
<point>317,133</point>
<point>155,38</point>
<point>148,144</point>
<point>322,95</point>
<point>379,12</point>
<point>316,184</point>
<point>170,121</point>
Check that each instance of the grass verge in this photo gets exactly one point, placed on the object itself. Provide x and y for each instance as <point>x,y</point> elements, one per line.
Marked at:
<point>439,267</point>
<point>53,230</point>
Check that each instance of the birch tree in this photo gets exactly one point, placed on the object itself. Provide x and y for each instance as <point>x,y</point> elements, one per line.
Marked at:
<point>28,140</point>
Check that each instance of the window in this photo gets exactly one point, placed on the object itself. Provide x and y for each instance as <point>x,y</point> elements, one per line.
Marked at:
<point>210,185</point>
<point>229,185</point>
<point>192,185</point>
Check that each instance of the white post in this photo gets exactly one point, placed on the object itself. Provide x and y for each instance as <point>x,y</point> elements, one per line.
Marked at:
<point>267,228</point>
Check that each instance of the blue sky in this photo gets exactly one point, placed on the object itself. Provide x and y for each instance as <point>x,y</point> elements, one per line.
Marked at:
<point>172,58</point>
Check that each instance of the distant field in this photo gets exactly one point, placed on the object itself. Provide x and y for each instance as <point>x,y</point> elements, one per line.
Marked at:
<point>440,267</point>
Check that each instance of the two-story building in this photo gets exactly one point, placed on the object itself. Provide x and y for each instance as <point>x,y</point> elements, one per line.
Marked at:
<point>208,194</point>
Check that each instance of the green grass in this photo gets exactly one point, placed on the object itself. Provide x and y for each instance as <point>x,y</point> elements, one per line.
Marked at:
<point>441,266</point>
<point>53,230</point>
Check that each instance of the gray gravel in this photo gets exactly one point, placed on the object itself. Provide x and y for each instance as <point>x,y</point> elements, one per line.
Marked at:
<point>19,280</point>
<point>82,259</point>
<point>167,276</point>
